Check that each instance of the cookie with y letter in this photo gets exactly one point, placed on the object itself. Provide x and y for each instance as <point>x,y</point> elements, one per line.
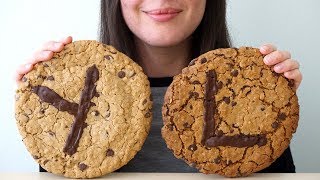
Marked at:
<point>86,112</point>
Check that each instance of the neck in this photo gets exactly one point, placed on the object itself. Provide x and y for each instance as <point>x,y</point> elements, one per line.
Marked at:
<point>163,61</point>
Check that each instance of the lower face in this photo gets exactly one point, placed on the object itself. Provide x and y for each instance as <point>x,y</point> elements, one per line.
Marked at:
<point>162,23</point>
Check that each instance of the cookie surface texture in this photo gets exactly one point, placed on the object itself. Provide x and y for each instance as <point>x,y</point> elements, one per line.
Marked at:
<point>228,113</point>
<point>86,112</point>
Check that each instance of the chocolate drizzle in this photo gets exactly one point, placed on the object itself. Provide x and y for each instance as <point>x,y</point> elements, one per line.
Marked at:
<point>79,111</point>
<point>87,94</point>
<point>49,96</point>
<point>239,140</point>
<point>209,139</point>
<point>209,105</point>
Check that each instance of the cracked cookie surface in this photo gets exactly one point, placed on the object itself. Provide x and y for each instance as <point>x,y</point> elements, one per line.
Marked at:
<point>228,113</point>
<point>86,112</point>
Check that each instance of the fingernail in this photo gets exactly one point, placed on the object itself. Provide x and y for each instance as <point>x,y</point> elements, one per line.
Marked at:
<point>277,68</point>
<point>57,45</point>
<point>44,53</point>
<point>266,59</point>
<point>264,48</point>
<point>28,66</point>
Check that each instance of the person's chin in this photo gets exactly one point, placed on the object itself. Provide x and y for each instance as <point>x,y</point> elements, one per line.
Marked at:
<point>164,42</point>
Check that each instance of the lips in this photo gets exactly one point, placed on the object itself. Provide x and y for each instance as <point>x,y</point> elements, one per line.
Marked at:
<point>163,15</point>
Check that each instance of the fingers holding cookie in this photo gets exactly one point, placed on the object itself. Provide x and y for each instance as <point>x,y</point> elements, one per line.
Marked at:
<point>286,65</point>
<point>45,53</point>
<point>296,75</point>
<point>276,57</point>
<point>282,62</point>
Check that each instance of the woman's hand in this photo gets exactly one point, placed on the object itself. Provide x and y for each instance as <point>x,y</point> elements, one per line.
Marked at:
<point>282,63</point>
<point>44,54</point>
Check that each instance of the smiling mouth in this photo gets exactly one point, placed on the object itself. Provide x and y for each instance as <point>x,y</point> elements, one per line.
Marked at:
<point>163,15</point>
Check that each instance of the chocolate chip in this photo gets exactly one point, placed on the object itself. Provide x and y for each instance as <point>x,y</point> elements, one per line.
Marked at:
<point>144,102</point>
<point>50,78</point>
<point>147,115</point>
<point>233,103</point>
<point>232,130</point>
<point>226,100</point>
<point>234,73</point>
<point>196,82</point>
<point>97,94</point>
<point>229,81</point>
<point>275,125</point>
<point>36,157</point>
<point>203,60</point>
<point>191,107</point>
<point>195,95</point>
<point>110,152</point>
<point>230,65</point>
<point>24,79</point>
<point>170,127</point>
<point>282,116</point>
<point>41,77</point>
<point>82,166</point>
<point>291,83</point>
<point>42,111</point>
<point>107,57</point>
<point>186,125</point>
<point>121,74</point>
<point>217,160</point>
<point>229,162</point>
<point>96,113</point>
<point>219,84</point>
<point>45,162</point>
<point>192,147</point>
<point>262,108</point>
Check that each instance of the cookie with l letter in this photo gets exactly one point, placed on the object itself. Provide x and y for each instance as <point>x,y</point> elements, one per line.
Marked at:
<point>228,113</point>
<point>86,112</point>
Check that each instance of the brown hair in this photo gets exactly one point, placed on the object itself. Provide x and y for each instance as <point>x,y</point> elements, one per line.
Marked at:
<point>212,33</point>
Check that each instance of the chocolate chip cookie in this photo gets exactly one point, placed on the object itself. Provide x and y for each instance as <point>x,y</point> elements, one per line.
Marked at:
<point>228,113</point>
<point>86,112</point>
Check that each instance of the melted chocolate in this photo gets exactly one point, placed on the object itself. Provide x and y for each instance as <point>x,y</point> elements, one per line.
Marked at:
<point>78,125</point>
<point>210,106</point>
<point>79,111</point>
<point>49,96</point>
<point>210,139</point>
<point>238,140</point>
